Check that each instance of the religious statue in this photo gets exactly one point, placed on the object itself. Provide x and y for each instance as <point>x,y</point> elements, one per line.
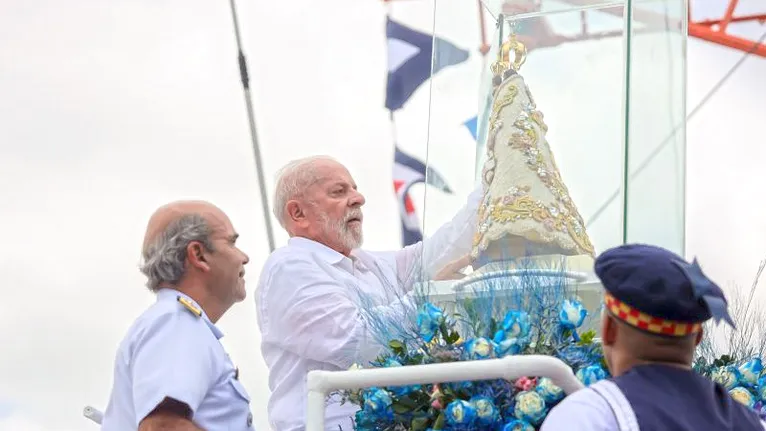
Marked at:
<point>527,210</point>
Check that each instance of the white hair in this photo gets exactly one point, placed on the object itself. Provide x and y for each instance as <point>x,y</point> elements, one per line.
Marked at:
<point>292,180</point>
<point>165,258</point>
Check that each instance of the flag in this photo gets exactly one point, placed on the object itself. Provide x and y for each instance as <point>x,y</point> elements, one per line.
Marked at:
<point>407,172</point>
<point>410,55</point>
<point>471,125</point>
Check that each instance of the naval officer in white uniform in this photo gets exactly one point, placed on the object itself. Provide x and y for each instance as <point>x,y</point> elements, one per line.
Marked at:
<point>171,372</point>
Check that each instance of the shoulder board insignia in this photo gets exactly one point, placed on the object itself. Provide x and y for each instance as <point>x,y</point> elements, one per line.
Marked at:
<point>190,306</point>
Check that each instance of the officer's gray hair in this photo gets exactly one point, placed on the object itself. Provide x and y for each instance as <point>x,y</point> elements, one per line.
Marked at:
<point>292,180</point>
<point>164,260</point>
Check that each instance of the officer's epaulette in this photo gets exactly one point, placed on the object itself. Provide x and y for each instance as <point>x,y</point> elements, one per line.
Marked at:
<point>190,306</point>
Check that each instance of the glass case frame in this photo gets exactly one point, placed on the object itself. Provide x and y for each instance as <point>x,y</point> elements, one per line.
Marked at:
<point>614,104</point>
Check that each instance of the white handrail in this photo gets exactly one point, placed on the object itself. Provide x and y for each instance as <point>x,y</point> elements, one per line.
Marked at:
<point>93,414</point>
<point>320,383</point>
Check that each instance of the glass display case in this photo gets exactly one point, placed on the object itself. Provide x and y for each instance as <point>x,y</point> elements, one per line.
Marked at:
<point>579,127</point>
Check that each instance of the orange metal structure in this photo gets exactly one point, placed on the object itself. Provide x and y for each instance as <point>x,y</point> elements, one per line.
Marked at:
<point>539,34</point>
<point>715,30</point>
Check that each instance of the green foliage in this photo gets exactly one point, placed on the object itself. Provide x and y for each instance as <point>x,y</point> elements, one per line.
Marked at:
<point>397,347</point>
<point>723,361</point>
<point>586,338</point>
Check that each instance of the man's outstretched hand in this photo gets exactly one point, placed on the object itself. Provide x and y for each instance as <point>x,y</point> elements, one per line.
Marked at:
<point>452,271</point>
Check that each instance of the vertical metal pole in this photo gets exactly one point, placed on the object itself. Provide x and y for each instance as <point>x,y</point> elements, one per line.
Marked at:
<point>253,132</point>
<point>627,54</point>
<point>685,14</point>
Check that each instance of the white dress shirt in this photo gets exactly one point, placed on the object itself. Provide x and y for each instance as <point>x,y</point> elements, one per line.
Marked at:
<point>307,299</point>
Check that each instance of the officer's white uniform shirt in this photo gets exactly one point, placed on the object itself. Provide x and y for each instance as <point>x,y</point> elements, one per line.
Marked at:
<point>599,407</point>
<point>170,351</point>
<point>308,316</point>
<point>585,410</point>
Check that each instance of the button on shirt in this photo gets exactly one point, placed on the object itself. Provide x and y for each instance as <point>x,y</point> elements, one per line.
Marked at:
<point>171,351</point>
<point>307,303</point>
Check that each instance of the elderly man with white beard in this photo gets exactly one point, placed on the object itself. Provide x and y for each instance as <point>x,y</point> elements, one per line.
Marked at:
<point>307,295</point>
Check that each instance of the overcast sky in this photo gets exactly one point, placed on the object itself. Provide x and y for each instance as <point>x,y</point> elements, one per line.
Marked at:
<point>110,109</point>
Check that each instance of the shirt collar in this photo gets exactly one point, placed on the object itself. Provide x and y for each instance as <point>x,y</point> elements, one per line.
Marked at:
<point>329,255</point>
<point>324,252</point>
<point>168,294</point>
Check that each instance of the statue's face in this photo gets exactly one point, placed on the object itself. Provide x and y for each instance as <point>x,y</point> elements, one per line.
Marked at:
<point>334,209</point>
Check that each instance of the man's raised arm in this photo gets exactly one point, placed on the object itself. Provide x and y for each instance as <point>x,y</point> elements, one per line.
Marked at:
<point>450,243</point>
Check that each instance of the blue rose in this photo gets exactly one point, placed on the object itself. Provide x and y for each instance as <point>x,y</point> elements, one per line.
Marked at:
<point>512,338</point>
<point>516,324</point>
<point>591,374</point>
<point>459,386</point>
<point>572,314</point>
<point>479,348</point>
<point>742,396</point>
<point>460,412</point>
<point>430,317</point>
<point>508,346</point>
<point>530,407</point>
<point>728,377</point>
<point>750,371</point>
<point>550,392</point>
<point>377,402</point>
<point>363,421</point>
<point>486,411</point>
<point>518,425</point>
<point>761,389</point>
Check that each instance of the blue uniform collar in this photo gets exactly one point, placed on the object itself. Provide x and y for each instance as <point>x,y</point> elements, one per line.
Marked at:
<point>168,294</point>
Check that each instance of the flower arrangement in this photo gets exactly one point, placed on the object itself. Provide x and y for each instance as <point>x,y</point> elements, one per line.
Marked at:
<point>540,317</point>
<point>517,316</point>
<point>738,365</point>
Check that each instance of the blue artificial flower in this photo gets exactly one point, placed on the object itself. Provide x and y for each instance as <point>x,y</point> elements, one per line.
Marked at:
<point>576,356</point>
<point>572,314</point>
<point>728,377</point>
<point>460,412</point>
<point>429,319</point>
<point>750,371</point>
<point>363,421</point>
<point>512,338</point>
<point>530,407</point>
<point>591,374</point>
<point>377,402</point>
<point>479,348</point>
<point>550,392</point>
<point>762,388</point>
<point>459,386</point>
<point>743,396</point>
<point>486,411</point>
<point>516,324</point>
<point>518,425</point>
<point>508,346</point>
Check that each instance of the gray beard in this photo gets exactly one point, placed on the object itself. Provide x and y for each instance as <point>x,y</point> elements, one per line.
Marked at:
<point>349,238</point>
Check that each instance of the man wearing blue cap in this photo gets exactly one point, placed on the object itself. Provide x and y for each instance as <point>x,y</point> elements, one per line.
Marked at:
<point>656,304</point>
